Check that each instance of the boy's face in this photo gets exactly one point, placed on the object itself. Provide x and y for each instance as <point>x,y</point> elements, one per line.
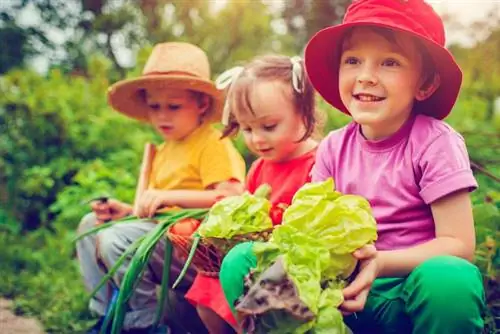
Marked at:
<point>272,131</point>
<point>379,80</point>
<point>174,113</point>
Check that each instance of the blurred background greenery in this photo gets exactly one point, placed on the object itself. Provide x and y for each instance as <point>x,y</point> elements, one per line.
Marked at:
<point>60,144</point>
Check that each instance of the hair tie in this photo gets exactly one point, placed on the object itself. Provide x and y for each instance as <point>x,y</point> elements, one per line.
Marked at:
<point>297,74</point>
<point>223,81</point>
<point>228,77</point>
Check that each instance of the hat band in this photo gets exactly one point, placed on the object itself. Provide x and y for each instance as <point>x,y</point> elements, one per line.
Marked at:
<point>172,73</point>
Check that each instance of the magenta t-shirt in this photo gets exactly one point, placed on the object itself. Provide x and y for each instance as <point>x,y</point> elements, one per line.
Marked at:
<point>400,175</point>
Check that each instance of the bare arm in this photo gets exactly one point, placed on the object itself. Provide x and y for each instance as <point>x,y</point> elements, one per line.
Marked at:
<point>152,200</point>
<point>455,235</point>
<point>110,209</point>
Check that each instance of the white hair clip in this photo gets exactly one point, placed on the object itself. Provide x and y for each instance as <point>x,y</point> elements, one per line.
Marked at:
<point>297,75</point>
<point>222,82</point>
<point>228,77</point>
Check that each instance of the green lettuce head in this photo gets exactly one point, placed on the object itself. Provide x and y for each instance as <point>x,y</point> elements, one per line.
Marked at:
<point>320,231</point>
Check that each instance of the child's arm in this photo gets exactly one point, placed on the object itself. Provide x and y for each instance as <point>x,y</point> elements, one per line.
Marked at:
<point>445,182</point>
<point>110,209</point>
<point>152,200</point>
<point>455,235</point>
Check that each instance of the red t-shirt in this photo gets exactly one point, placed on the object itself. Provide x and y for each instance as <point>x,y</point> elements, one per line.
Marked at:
<point>285,178</point>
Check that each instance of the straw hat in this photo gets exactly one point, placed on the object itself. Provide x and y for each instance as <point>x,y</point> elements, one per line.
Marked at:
<point>415,17</point>
<point>170,65</point>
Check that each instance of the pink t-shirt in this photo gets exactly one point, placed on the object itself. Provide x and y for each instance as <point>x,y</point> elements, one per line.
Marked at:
<point>400,175</point>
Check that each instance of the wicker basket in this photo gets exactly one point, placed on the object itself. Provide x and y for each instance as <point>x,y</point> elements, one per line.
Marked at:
<point>224,245</point>
<point>210,251</point>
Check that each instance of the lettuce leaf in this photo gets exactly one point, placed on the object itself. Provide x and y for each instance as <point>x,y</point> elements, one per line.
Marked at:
<point>237,215</point>
<point>329,319</point>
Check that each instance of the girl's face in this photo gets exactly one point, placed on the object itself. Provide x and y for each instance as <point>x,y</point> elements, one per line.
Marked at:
<point>379,81</point>
<point>274,129</point>
<point>175,113</point>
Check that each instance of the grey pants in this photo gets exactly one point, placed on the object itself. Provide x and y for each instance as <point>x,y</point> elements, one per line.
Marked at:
<point>108,245</point>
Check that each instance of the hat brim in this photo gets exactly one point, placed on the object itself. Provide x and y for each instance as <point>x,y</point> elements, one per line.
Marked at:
<point>322,68</point>
<point>125,98</point>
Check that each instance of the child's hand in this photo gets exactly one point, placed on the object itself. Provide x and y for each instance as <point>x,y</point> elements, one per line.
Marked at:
<point>356,293</point>
<point>150,202</point>
<point>109,209</point>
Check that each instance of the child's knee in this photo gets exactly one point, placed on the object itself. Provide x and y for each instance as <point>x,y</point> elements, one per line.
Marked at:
<point>447,285</point>
<point>238,260</point>
<point>109,245</point>
<point>236,265</point>
<point>87,222</point>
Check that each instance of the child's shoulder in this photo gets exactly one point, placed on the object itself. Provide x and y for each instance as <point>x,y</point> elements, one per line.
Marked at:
<point>209,132</point>
<point>337,138</point>
<point>208,135</point>
<point>257,164</point>
<point>427,130</point>
<point>427,125</point>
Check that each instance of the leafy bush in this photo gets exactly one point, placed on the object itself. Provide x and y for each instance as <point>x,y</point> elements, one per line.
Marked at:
<point>39,273</point>
<point>51,129</point>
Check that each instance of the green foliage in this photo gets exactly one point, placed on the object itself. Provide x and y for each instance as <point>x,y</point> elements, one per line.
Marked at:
<point>112,178</point>
<point>7,224</point>
<point>487,219</point>
<point>19,43</point>
<point>52,130</point>
<point>249,35</point>
<point>39,273</point>
<point>14,54</point>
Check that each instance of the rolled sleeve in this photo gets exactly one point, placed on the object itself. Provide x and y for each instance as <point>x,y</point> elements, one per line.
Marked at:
<point>445,168</point>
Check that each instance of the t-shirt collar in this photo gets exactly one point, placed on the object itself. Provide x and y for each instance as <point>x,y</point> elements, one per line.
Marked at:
<point>386,143</point>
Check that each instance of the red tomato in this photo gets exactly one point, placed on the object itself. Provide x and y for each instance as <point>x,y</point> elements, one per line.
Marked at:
<point>185,227</point>
<point>276,213</point>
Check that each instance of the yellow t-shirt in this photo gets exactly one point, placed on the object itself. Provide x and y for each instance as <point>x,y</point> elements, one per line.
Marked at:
<point>198,161</point>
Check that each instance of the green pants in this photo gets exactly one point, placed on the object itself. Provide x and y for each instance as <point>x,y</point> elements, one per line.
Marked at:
<point>442,295</point>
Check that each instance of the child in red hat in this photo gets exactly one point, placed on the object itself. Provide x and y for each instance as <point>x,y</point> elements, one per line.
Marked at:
<point>386,66</point>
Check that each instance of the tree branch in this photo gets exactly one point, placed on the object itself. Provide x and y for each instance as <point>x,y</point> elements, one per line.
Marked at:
<point>112,55</point>
<point>479,168</point>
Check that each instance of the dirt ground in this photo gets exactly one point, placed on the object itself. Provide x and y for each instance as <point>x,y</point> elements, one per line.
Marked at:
<point>13,324</point>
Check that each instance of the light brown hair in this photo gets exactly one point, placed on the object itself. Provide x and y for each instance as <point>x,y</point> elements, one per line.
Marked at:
<point>270,68</point>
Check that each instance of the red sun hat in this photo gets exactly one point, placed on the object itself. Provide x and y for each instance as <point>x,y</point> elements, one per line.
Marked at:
<point>322,53</point>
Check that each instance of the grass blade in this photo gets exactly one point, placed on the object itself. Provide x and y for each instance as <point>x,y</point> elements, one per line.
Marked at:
<point>102,227</point>
<point>164,295</point>
<point>118,264</point>
<point>196,241</point>
<point>141,258</point>
<point>109,313</point>
<point>177,214</point>
<point>135,269</point>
